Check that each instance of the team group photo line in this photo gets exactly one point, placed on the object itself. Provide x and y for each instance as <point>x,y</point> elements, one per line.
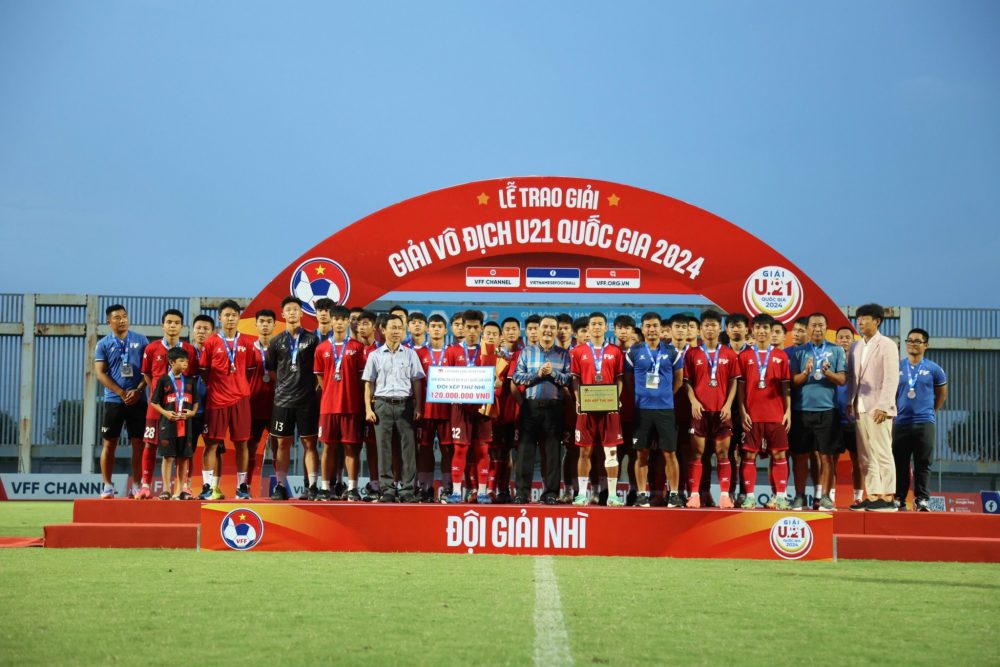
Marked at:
<point>659,404</point>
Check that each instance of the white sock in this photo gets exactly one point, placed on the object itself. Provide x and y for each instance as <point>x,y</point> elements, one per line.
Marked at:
<point>324,485</point>
<point>206,477</point>
<point>612,485</point>
<point>482,489</point>
<point>313,479</point>
<point>818,491</point>
<point>352,484</point>
<point>241,478</point>
<point>282,478</point>
<point>582,484</point>
<point>215,481</point>
<point>858,494</point>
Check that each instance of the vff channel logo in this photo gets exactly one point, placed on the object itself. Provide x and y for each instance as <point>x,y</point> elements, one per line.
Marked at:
<point>317,278</point>
<point>775,291</point>
<point>791,537</point>
<point>242,529</point>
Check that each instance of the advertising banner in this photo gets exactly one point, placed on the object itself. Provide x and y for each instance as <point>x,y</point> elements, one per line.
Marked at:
<point>460,384</point>
<point>17,486</point>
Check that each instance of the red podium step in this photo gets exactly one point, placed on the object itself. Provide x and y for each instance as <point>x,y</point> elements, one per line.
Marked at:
<point>123,535</point>
<point>136,511</point>
<point>917,536</point>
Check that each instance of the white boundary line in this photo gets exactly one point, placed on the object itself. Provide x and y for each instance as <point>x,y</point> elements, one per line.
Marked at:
<point>551,640</point>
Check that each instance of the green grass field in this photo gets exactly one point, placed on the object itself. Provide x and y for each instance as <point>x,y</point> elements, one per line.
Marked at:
<point>93,606</point>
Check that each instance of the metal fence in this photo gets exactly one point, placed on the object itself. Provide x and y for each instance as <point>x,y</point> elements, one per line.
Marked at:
<point>50,410</point>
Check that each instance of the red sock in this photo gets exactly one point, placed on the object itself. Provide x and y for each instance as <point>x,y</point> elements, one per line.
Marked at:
<point>483,472</point>
<point>725,470</point>
<point>458,465</point>
<point>781,476</point>
<point>749,476</point>
<point>148,464</point>
<point>694,475</point>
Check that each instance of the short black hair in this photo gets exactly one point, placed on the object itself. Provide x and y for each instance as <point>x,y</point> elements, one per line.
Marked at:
<point>264,312</point>
<point>473,316</point>
<point>762,318</point>
<point>290,299</point>
<point>872,310</point>
<point>678,318</point>
<point>596,314</point>
<point>417,316</point>
<point>340,312</point>
<point>692,318</point>
<point>113,308</point>
<point>779,323</point>
<point>356,309</point>
<point>817,314</point>
<point>396,307</point>
<point>368,315</point>
<point>437,317</point>
<point>927,336</point>
<point>581,323</point>
<point>803,321</point>
<point>229,303</point>
<point>325,303</point>
<point>737,318</point>
<point>389,317</point>
<point>455,317</point>
<point>651,316</point>
<point>172,311</point>
<point>492,323</point>
<point>846,329</point>
<point>508,320</point>
<point>711,316</point>
<point>624,321</point>
<point>564,318</point>
<point>175,353</point>
<point>204,318</point>
<point>537,319</point>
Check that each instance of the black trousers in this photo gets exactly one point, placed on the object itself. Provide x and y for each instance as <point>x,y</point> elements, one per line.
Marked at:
<point>916,442</point>
<point>398,417</point>
<point>542,423</point>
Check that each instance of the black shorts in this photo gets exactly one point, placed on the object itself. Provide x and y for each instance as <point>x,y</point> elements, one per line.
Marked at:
<point>814,432</point>
<point>180,448</point>
<point>847,439</point>
<point>662,423</point>
<point>286,421</point>
<point>116,414</point>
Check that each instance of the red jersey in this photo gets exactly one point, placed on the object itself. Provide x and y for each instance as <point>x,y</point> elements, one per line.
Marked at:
<point>261,393</point>
<point>581,364</point>
<point>345,396</point>
<point>430,358</point>
<point>454,355</point>
<point>697,372</point>
<point>767,404</point>
<point>627,413</point>
<point>155,364</point>
<point>227,388</point>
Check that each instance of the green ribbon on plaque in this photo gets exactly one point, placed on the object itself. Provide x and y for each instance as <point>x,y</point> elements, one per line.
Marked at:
<point>599,397</point>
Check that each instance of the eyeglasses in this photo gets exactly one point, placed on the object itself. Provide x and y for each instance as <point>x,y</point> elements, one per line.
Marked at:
<point>915,341</point>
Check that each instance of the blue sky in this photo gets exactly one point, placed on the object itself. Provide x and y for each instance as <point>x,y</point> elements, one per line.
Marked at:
<point>232,136</point>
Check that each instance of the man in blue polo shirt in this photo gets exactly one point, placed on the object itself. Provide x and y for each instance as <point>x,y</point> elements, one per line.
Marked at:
<point>118,366</point>
<point>818,367</point>
<point>655,370</point>
<point>923,388</point>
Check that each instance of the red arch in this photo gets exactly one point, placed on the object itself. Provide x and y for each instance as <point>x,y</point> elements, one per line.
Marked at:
<point>593,228</point>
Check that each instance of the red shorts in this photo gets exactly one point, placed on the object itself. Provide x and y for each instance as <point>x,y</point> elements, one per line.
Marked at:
<point>149,434</point>
<point>711,427</point>
<point>233,418</point>
<point>603,429</point>
<point>345,429</point>
<point>468,427</point>
<point>429,428</point>
<point>772,433</point>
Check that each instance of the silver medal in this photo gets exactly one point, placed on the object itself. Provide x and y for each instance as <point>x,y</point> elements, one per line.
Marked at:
<point>336,376</point>
<point>818,375</point>
<point>761,385</point>
<point>266,378</point>
<point>294,368</point>
<point>232,368</point>
<point>598,378</point>
<point>713,383</point>
<point>911,393</point>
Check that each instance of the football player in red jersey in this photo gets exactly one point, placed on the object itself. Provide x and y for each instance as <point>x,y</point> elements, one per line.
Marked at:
<point>228,359</point>
<point>595,362</point>
<point>418,330</point>
<point>469,427</point>
<point>436,421</point>
<point>765,407</point>
<point>154,366</point>
<point>710,373</point>
<point>338,367</point>
<point>261,394</point>
<point>625,337</point>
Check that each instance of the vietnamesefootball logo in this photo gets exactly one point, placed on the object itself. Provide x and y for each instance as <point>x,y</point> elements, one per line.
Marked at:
<point>774,291</point>
<point>791,537</point>
<point>317,278</point>
<point>242,529</point>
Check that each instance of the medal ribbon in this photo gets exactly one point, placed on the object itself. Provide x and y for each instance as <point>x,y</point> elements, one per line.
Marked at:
<point>913,374</point>
<point>598,360</point>
<point>470,360</point>
<point>713,362</point>
<point>230,351</point>
<point>762,365</point>
<point>338,357</point>
<point>817,359</point>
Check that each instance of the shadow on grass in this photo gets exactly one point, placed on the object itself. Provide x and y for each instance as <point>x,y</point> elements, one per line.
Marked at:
<point>840,577</point>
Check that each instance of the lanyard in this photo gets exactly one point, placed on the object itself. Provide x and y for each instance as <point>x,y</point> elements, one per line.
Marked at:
<point>122,346</point>
<point>656,358</point>
<point>436,361</point>
<point>230,351</point>
<point>817,356</point>
<point>293,346</point>
<point>470,360</point>
<point>762,365</point>
<point>913,374</point>
<point>338,357</point>
<point>713,362</point>
<point>328,336</point>
<point>598,360</point>
<point>263,356</point>
<point>164,341</point>
<point>178,390</point>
